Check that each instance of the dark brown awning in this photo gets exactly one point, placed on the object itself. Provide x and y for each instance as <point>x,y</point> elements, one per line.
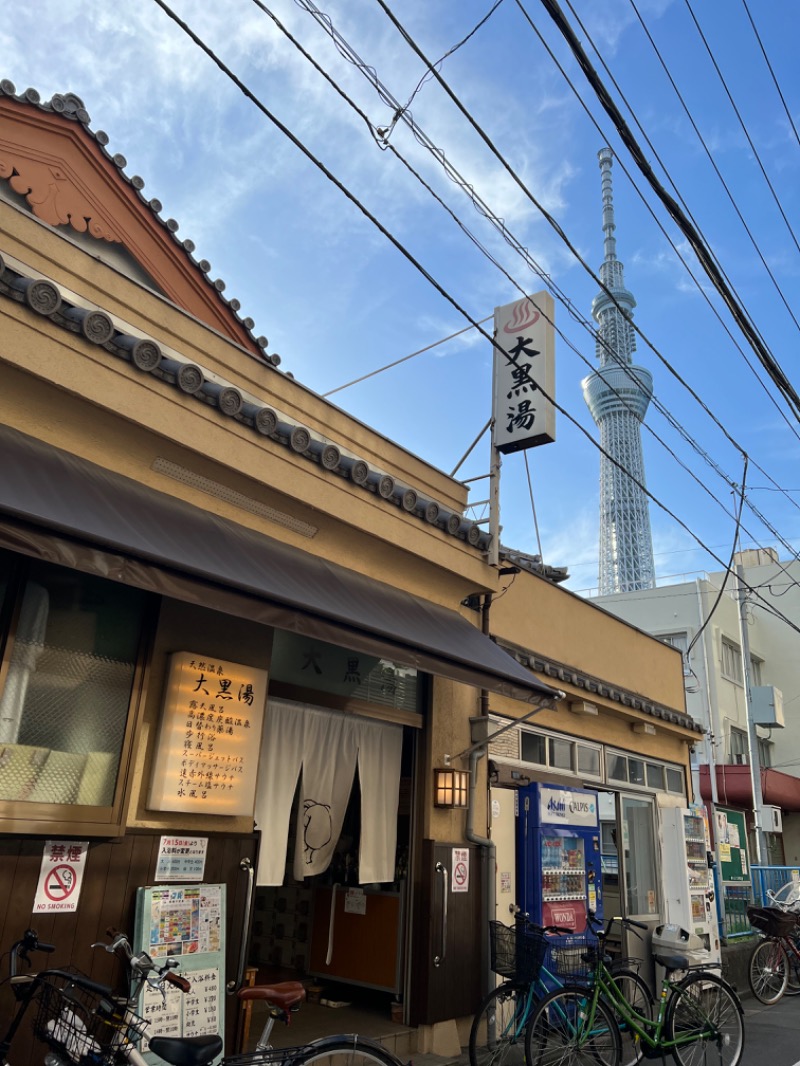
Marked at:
<point>59,507</point>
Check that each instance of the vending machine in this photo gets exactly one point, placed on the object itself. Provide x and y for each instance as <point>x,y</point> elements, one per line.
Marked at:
<point>688,880</point>
<point>558,855</point>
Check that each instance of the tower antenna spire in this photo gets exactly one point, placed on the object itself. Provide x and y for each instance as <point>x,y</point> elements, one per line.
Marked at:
<point>618,395</point>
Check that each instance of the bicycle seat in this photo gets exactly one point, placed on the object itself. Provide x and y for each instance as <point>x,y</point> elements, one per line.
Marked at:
<point>285,994</point>
<point>672,962</point>
<point>186,1050</point>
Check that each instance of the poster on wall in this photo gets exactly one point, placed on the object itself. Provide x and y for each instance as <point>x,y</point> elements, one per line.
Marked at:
<point>60,876</point>
<point>731,836</point>
<point>208,745</point>
<point>181,858</point>
<point>186,922</point>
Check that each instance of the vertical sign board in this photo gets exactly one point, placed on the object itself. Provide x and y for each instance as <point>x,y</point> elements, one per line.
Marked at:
<point>731,835</point>
<point>524,374</point>
<point>186,922</point>
<point>207,754</point>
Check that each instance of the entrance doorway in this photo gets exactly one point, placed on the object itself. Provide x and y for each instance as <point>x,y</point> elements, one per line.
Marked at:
<point>343,938</point>
<point>630,870</point>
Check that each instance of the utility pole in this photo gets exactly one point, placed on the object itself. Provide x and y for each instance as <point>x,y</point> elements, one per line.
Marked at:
<point>752,736</point>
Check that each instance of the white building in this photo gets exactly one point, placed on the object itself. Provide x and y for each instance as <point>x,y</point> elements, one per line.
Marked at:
<point>694,618</point>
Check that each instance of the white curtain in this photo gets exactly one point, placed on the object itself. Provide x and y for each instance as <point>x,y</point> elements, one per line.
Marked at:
<point>379,749</point>
<point>325,747</point>
<point>28,646</point>
<point>329,766</point>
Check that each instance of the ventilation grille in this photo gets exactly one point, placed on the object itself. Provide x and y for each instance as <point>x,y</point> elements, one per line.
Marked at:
<point>222,492</point>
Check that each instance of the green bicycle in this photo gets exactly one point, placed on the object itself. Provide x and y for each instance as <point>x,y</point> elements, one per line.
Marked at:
<point>699,1019</point>
<point>536,961</point>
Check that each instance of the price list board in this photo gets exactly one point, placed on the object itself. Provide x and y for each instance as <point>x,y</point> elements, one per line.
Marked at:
<point>186,922</point>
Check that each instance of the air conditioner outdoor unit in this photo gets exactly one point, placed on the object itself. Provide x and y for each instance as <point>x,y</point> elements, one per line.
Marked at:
<point>773,819</point>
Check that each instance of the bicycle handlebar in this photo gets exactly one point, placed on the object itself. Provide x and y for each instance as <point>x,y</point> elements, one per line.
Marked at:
<point>29,942</point>
<point>596,923</point>
<point>141,967</point>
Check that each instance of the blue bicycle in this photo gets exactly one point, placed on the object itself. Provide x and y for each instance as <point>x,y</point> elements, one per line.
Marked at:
<point>535,961</point>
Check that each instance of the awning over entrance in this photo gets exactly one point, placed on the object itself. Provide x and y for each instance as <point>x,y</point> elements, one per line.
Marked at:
<point>735,789</point>
<point>59,507</point>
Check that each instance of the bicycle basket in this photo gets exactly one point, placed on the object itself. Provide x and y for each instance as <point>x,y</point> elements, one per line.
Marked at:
<point>516,953</point>
<point>772,921</point>
<point>81,1024</point>
<point>572,958</point>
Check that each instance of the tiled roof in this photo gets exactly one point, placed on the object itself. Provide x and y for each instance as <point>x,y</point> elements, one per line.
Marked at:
<point>71,107</point>
<point>103,331</point>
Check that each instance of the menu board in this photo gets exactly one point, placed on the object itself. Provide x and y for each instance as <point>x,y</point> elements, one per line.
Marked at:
<point>186,922</point>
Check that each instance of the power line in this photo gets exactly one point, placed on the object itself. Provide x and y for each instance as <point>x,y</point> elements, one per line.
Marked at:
<point>404,359</point>
<point>705,258</point>
<point>347,52</point>
<point>745,130</point>
<point>772,72</point>
<point>793,429</point>
<point>661,163</point>
<point>422,270</point>
<point>308,4</point>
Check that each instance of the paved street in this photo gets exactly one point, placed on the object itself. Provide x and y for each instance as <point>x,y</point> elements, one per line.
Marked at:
<point>772,1034</point>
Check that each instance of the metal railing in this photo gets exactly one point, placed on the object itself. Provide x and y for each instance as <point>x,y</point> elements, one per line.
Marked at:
<point>770,878</point>
<point>737,898</point>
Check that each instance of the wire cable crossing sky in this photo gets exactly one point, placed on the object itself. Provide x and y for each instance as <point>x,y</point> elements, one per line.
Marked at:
<point>484,104</point>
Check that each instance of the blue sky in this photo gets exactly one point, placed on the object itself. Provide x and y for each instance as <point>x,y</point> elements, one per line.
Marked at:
<point>336,298</point>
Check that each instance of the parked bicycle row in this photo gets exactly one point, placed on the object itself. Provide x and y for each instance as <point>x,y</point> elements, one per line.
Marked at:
<point>563,999</point>
<point>83,1022</point>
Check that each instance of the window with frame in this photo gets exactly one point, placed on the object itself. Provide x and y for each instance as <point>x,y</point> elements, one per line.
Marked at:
<point>731,662</point>
<point>70,648</point>
<point>561,754</point>
<point>738,747</point>
<point>764,752</point>
<point>630,770</point>
<point>755,671</point>
<point>679,641</point>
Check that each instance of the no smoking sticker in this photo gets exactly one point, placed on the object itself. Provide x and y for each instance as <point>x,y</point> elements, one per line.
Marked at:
<point>61,876</point>
<point>460,875</point>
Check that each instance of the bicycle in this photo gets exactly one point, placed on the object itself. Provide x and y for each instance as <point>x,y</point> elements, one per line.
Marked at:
<point>774,967</point>
<point>697,1014</point>
<point>521,954</point>
<point>75,1016</point>
<point>86,1024</point>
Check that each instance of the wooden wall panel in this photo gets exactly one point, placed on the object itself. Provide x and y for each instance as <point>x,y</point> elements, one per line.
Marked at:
<point>115,869</point>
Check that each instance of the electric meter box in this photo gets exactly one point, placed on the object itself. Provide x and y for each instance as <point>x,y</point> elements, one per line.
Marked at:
<point>766,706</point>
<point>674,940</point>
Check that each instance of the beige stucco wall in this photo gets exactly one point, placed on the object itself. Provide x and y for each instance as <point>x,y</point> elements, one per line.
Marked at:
<point>89,401</point>
<point>568,630</point>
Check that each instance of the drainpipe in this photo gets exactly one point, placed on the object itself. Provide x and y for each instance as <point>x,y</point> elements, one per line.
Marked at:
<point>486,843</point>
<point>489,854</point>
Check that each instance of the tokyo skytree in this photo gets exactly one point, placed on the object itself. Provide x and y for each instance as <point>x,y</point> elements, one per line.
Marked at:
<point>618,395</point>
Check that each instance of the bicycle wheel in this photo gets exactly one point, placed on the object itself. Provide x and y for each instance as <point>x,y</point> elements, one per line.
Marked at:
<point>638,995</point>
<point>565,1031</point>
<point>793,955</point>
<point>344,1050</point>
<point>497,1035</point>
<point>768,971</point>
<point>705,1017</point>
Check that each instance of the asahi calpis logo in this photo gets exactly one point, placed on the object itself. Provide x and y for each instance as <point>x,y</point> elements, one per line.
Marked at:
<point>568,807</point>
